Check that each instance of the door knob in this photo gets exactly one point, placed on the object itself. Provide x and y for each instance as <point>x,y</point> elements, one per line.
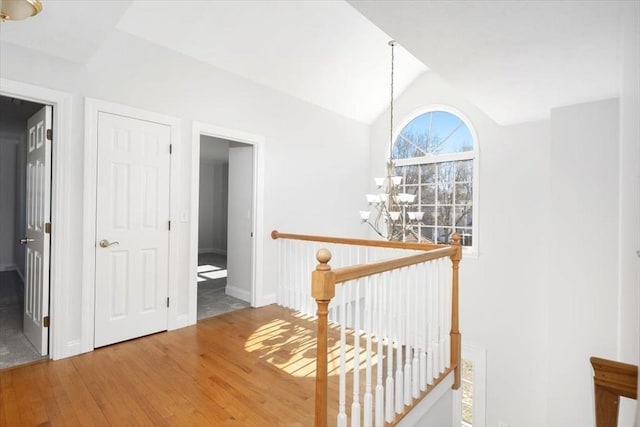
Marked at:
<point>105,243</point>
<point>25,240</point>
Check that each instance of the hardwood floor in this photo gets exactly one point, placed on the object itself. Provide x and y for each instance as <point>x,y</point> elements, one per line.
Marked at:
<point>253,367</point>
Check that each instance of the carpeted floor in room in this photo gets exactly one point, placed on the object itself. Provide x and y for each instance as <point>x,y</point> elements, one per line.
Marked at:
<point>212,280</point>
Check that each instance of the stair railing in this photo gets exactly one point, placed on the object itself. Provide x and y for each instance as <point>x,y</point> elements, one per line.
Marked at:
<point>401,315</point>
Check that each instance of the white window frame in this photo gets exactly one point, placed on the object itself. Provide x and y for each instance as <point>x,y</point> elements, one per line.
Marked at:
<point>478,358</point>
<point>473,155</point>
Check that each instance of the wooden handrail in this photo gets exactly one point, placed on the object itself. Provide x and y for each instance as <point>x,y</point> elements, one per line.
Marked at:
<point>353,272</point>
<point>359,242</point>
<point>611,380</point>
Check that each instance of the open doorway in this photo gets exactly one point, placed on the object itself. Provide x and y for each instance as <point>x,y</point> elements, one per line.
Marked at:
<point>15,347</point>
<point>224,226</point>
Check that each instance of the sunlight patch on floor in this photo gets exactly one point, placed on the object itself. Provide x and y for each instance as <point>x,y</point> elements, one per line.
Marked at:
<point>290,345</point>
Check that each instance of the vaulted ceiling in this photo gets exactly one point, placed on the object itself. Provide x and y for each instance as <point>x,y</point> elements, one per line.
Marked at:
<point>514,59</point>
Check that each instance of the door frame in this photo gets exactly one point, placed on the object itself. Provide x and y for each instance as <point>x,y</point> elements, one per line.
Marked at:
<point>60,280</point>
<point>257,142</point>
<point>92,108</point>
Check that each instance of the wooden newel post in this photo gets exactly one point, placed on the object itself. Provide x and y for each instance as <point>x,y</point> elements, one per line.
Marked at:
<point>323,290</point>
<point>456,342</point>
<point>611,380</point>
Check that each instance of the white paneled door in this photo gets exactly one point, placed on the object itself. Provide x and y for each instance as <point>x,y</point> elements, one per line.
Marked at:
<point>37,242</point>
<point>132,228</point>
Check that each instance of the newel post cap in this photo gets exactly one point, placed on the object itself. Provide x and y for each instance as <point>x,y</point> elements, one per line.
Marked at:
<point>323,256</point>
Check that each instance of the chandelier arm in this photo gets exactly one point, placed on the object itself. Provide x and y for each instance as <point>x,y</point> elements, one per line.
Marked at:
<point>376,230</point>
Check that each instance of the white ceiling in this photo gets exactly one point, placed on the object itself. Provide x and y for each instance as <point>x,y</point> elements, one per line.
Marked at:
<point>514,59</point>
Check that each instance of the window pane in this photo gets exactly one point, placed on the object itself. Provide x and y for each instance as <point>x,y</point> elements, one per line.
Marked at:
<point>429,217</point>
<point>464,193</point>
<point>446,172</point>
<point>445,216</point>
<point>428,173</point>
<point>428,195</point>
<point>445,193</point>
<point>467,392</point>
<point>463,216</point>
<point>444,234</point>
<point>427,233</point>
<point>467,370</point>
<point>467,414</point>
<point>464,171</point>
<point>411,175</point>
<point>411,189</point>
<point>434,132</point>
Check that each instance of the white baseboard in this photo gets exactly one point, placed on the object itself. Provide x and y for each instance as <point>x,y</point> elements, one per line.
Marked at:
<point>239,293</point>
<point>266,300</point>
<point>7,267</point>
<point>180,322</point>
<point>212,251</point>
<point>20,274</point>
<point>71,348</point>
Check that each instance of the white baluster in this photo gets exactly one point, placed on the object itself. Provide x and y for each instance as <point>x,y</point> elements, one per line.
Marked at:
<point>415,379</point>
<point>368,397</point>
<point>379,406</point>
<point>424,331</point>
<point>355,404</point>
<point>296,278</point>
<point>409,299</point>
<point>389,386</point>
<point>436,321</point>
<point>431,324</point>
<point>342,414</point>
<point>415,363</point>
<point>399,294</point>
<point>442,311</point>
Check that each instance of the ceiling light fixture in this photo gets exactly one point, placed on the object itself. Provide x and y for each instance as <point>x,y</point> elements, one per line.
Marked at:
<point>394,216</point>
<point>16,10</point>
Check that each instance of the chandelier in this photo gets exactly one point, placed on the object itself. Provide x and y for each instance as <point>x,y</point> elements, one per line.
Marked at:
<point>391,213</point>
<point>15,10</point>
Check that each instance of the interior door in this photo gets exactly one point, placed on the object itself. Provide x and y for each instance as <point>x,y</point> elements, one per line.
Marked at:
<point>37,242</point>
<point>240,223</point>
<point>132,228</point>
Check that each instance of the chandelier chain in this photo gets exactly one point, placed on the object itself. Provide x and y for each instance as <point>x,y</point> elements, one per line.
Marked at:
<point>392,43</point>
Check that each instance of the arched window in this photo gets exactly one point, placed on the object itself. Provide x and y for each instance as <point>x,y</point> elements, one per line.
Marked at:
<point>436,154</point>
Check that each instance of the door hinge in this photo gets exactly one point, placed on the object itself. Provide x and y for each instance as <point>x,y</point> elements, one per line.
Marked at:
<point>170,148</point>
<point>169,225</point>
<point>47,227</point>
<point>167,301</point>
<point>45,321</point>
<point>49,134</point>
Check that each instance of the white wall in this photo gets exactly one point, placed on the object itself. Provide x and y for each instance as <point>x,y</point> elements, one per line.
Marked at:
<point>629,200</point>
<point>12,179</point>
<point>583,255</point>
<point>542,296</point>
<point>212,212</point>
<point>315,160</point>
